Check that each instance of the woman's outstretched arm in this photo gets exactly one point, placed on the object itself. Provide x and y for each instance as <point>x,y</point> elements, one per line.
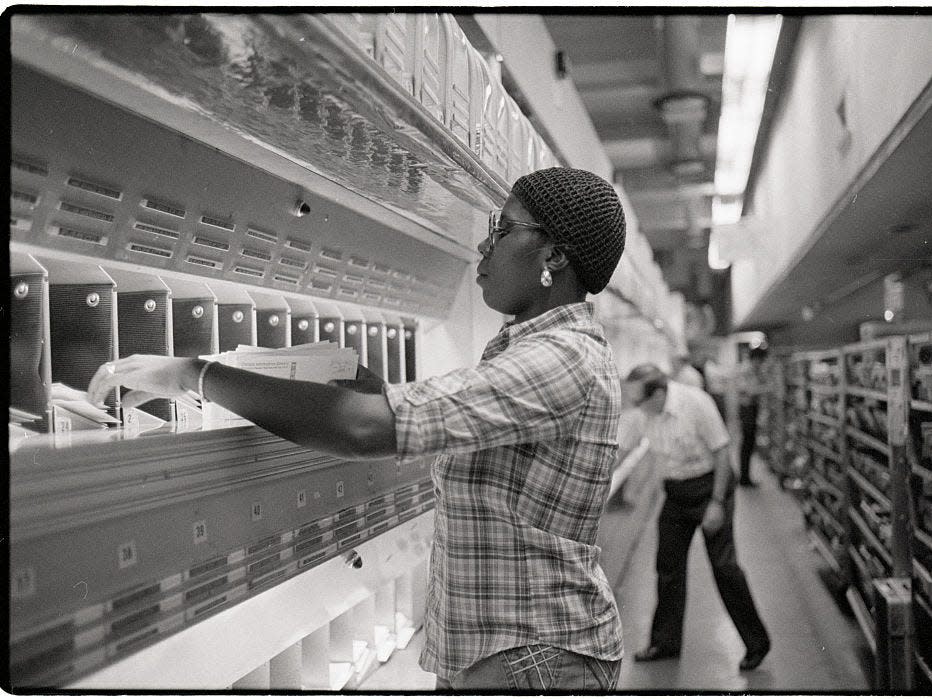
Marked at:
<point>331,419</point>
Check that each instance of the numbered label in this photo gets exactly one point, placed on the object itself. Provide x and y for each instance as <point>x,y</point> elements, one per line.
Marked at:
<point>126,554</point>
<point>302,498</point>
<point>256,511</point>
<point>200,532</point>
<point>23,582</point>
<point>340,490</point>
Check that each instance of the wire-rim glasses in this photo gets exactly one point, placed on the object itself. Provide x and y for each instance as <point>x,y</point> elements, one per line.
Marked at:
<point>498,228</point>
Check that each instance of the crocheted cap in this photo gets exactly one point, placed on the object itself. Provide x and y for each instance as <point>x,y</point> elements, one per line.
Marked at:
<point>582,213</point>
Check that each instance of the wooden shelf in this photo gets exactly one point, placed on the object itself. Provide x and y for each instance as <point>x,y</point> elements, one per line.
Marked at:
<point>863,572</point>
<point>824,451</point>
<point>867,440</point>
<point>826,389</point>
<point>916,404</point>
<point>922,472</point>
<point>825,551</point>
<point>866,392</point>
<point>922,665</point>
<point>925,579</point>
<point>863,615</point>
<point>840,529</point>
<point>923,538</point>
<point>826,484</point>
<point>922,604</point>
<point>824,419</point>
<point>870,537</point>
<point>877,343</point>
<point>868,487</point>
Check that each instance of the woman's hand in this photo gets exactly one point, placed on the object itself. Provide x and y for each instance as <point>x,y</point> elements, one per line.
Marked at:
<point>147,376</point>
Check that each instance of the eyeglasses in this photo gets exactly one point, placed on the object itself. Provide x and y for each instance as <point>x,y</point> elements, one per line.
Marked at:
<point>499,227</point>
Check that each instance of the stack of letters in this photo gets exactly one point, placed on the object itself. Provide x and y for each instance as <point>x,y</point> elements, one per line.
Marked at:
<point>316,361</point>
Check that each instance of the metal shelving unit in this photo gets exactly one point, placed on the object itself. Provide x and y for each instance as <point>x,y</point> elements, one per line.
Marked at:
<point>882,459</point>
<point>919,454</point>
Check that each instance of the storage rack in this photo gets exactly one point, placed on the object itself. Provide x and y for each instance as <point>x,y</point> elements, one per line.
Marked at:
<point>817,400</point>
<point>919,451</point>
<point>775,417</point>
<point>859,411</point>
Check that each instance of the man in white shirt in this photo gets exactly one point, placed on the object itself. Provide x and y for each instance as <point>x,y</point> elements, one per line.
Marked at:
<point>684,372</point>
<point>688,436</point>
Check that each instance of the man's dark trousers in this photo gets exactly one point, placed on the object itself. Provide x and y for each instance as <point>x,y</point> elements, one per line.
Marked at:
<point>682,512</point>
<point>747,414</point>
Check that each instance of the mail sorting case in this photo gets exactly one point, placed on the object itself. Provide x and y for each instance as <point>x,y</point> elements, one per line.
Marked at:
<point>150,575</point>
<point>201,242</point>
<point>165,530</point>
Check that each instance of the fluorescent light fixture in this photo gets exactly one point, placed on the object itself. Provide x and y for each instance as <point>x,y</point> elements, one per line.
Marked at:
<point>750,43</point>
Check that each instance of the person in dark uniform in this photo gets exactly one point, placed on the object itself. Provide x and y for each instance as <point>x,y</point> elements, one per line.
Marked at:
<point>688,436</point>
<point>752,384</point>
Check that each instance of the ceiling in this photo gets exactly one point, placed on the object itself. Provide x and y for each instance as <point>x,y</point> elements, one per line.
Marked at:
<point>624,66</point>
<point>881,224</point>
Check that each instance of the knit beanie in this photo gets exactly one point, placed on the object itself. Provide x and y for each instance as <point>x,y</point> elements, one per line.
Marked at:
<point>582,214</point>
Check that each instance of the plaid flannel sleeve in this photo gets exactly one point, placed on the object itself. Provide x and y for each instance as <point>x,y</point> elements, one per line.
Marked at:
<point>534,391</point>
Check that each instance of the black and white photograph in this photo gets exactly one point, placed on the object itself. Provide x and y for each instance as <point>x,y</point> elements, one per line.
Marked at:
<point>469,349</point>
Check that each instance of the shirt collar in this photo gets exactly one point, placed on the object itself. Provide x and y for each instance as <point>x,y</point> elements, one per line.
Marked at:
<point>580,314</point>
<point>673,405</point>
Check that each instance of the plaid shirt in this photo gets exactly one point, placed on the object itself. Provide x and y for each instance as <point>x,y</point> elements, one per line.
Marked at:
<point>527,442</point>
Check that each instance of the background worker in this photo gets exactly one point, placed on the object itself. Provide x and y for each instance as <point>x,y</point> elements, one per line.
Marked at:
<point>690,441</point>
<point>752,384</point>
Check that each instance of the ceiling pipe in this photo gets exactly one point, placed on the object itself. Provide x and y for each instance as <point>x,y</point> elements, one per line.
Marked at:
<point>683,106</point>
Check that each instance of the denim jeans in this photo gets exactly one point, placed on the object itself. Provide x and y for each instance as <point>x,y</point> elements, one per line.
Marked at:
<point>536,667</point>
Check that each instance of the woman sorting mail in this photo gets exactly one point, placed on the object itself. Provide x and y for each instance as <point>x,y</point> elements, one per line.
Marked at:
<point>524,445</point>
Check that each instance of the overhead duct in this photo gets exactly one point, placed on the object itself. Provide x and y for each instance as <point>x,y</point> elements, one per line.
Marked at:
<point>683,107</point>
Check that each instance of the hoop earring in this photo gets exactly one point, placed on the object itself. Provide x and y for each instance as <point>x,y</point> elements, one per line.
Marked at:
<point>546,279</point>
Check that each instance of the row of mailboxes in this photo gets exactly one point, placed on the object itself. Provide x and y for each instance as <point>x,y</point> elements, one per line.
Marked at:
<point>69,317</point>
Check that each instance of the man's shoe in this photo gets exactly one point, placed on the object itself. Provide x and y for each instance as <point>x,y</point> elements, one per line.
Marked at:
<point>753,658</point>
<point>655,652</point>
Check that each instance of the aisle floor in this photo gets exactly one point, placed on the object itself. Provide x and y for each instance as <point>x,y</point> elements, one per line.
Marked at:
<point>816,647</point>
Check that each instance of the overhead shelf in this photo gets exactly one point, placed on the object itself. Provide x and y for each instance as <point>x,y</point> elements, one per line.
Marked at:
<point>287,89</point>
